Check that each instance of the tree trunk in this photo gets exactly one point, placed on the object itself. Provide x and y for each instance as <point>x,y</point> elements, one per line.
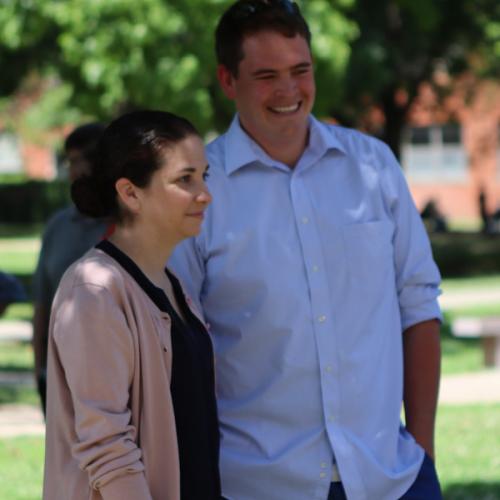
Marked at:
<point>395,117</point>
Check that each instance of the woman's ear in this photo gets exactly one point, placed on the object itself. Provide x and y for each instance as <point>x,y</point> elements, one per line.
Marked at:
<point>129,195</point>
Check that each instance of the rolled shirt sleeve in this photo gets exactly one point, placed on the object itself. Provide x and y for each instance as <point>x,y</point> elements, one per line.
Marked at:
<point>417,276</point>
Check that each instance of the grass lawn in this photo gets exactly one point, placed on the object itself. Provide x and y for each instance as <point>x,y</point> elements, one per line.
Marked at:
<point>468,458</point>
<point>18,394</point>
<point>18,261</point>
<point>22,311</point>
<point>21,468</point>
<point>459,355</point>
<point>19,255</point>
<point>16,356</point>
<point>471,283</point>
<point>468,451</point>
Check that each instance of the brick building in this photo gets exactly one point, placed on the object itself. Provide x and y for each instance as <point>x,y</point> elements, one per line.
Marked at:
<point>451,150</point>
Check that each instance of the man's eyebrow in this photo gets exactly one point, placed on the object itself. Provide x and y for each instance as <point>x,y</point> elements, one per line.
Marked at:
<point>270,71</point>
<point>303,65</point>
<point>264,71</point>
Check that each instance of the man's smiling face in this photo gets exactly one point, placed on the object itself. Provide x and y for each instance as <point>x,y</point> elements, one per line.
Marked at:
<point>274,90</point>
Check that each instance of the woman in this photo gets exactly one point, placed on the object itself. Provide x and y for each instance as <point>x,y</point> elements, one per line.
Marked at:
<point>131,410</point>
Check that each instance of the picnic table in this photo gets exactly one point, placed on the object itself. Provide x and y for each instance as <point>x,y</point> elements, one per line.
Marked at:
<point>488,329</point>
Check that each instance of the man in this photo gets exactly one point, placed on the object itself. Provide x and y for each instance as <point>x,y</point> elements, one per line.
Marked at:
<point>316,277</point>
<point>67,236</point>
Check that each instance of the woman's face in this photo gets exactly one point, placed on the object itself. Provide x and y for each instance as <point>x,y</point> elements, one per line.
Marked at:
<point>174,202</point>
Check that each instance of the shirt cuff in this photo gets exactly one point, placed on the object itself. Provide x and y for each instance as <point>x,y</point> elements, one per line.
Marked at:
<point>126,487</point>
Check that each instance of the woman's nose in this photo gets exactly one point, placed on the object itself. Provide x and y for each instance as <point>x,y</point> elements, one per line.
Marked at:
<point>204,196</point>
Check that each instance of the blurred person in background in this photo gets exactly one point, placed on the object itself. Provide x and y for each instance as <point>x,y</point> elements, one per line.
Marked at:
<point>131,411</point>
<point>11,291</point>
<point>67,236</point>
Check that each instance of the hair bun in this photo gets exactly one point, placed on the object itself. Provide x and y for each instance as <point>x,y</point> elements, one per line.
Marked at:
<point>90,197</point>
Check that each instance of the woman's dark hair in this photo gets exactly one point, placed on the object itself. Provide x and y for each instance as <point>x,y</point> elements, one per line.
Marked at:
<point>130,147</point>
<point>248,17</point>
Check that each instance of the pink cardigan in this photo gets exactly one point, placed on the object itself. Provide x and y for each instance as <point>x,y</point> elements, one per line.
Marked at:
<point>110,421</point>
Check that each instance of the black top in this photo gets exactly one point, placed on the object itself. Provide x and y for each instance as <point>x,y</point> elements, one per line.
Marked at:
<point>192,386</point>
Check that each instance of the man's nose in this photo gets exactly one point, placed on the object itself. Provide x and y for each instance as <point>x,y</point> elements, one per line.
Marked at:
<point>286,85</point>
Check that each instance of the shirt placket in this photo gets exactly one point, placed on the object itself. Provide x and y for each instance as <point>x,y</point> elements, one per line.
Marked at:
<point>322,320</point>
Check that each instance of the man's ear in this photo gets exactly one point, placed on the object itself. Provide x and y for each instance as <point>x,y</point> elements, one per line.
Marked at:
<point>226,81</point>
<point>128,194</point>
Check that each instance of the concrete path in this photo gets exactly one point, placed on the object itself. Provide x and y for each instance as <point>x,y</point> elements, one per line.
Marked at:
<point>15,330</point>
<point>470,388</point>
<point>21,420</point>
<point>470,297</point>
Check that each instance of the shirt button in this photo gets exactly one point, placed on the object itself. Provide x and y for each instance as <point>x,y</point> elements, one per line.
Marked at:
<point>315,269</point>
<point>322,475</point>
<point>331,418</point>
<point>305,220</point>
<point>328,369</point>
<point>324,465</point>
<point>322,319</point>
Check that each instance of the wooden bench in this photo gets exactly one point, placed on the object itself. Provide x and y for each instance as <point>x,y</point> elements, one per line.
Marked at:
<point>488,329</point>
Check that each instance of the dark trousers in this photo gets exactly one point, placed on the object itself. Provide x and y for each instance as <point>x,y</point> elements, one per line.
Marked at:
<point>425,487</point>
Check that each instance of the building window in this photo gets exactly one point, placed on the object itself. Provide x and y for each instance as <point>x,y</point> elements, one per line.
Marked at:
<point>434,153</point>
<point>11,161</point>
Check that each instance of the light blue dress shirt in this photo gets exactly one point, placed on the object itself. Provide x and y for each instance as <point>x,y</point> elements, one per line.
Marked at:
<point>307,278</point>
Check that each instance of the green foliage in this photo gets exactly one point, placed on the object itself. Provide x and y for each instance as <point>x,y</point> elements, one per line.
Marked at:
<point>32,201</point>
<point>20,231</point>
<point>400,45</point>
<point>466,254</point>
<point>27,41</point>
<point>331,37</point>
<point>103,58</point>
<point>17,178</point>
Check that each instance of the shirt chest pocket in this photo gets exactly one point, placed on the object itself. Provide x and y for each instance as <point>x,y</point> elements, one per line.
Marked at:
<point>369,255</point>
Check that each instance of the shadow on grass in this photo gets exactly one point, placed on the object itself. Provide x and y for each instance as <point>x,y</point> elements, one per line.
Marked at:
<point>472,491</point>
<point>14,367</point>
<point>14,394</point>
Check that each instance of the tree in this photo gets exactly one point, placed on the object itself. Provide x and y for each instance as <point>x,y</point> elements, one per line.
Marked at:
<point>400,45</point>
<point>102,57</point>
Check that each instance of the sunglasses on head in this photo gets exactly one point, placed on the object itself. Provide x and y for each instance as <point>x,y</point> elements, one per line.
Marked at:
<point>245,10</point>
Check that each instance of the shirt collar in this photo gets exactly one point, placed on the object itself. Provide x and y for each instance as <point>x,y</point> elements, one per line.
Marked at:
<point>242,150</point>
